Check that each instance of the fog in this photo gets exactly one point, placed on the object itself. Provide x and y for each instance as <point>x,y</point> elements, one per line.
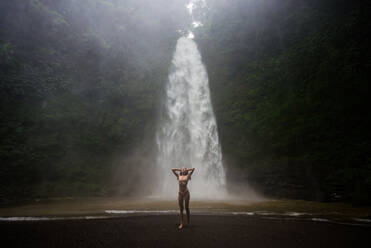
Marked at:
<point>97,46</point>
<point>148,174</point>
<point>87,110</point>
<point>104,67</point>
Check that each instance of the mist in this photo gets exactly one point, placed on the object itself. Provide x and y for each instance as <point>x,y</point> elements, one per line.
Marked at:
<point>84,96</point>
<point>177,123</point>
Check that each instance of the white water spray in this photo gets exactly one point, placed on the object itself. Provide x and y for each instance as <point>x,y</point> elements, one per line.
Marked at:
<point>188,133</point>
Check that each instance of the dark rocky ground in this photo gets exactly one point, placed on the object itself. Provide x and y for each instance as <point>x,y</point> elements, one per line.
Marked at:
<point>161,231</point>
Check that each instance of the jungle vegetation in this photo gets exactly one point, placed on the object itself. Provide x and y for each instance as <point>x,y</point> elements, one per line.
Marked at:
<point>81,85</point>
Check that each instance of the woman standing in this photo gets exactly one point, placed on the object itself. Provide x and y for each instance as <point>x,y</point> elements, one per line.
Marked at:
<point>183,195</point>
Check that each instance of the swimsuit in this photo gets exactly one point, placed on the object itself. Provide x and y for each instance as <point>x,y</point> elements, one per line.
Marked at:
<point>183,183</point>
<point>184,193</point>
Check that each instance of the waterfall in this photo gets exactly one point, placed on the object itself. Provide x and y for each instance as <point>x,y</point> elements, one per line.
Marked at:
<point>188,135</point>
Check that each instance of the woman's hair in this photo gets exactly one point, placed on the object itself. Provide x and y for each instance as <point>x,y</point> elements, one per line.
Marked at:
<point>183,173</point>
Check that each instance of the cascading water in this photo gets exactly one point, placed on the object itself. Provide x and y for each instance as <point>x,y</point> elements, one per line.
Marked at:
<point>188,133</point>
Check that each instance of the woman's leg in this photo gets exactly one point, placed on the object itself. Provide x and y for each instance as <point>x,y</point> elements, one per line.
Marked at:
<point>180,201</point>
<point>187,198</point>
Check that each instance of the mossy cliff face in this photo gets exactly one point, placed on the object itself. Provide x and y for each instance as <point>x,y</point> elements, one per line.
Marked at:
<point>81,82</point>
<point>289,85</point>
<point>81,85</point>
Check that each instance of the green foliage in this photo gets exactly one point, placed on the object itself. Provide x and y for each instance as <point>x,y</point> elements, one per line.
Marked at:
<point>289,86</point>
<point>79,85</point>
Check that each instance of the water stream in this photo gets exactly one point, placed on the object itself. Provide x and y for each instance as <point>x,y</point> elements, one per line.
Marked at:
<point>188,134</point>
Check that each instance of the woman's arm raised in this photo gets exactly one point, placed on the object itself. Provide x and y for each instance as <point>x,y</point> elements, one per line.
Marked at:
<point>174,171</point>
<point>190,172</point>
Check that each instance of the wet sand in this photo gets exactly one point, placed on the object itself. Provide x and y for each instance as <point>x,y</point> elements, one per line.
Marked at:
<point>161,231</point>
<point>123,222</point>
<point>99,206</point>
